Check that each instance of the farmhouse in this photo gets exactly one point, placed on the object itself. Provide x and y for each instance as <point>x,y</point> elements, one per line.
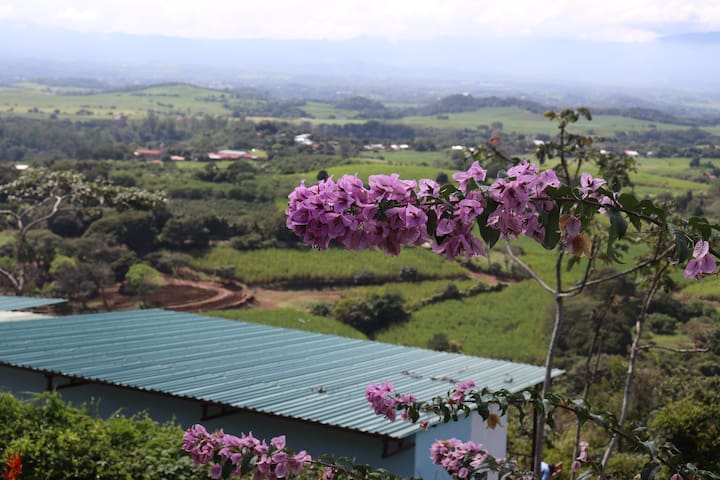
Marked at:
<point>248,377</point>
<point>149,154</point>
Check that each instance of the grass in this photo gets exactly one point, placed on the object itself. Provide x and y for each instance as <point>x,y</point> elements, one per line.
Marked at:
<point>707,289</point>
<point>409,157</point>
<point>276,265</point>
<point>497,325</point>
<point>524,122</point>
<point>413,293</point>
<point>289,318</point>
<point>176,99</point>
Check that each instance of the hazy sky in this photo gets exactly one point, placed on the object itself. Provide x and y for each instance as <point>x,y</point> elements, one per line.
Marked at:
<point>620,20</point>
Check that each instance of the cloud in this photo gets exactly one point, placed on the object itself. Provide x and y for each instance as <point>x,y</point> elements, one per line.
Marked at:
<point>619,20</point>
<point>75,15</point>
<point>6,10</point>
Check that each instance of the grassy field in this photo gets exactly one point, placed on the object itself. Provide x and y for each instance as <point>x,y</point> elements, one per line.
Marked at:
<point>413,293</point>
<point>275,265</point>
<point>176,99</point>
<point>408,157</point>
<point>289,318</point>
<point>498,325</point>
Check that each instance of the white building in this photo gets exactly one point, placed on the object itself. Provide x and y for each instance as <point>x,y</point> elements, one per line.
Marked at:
<point>248,377</point>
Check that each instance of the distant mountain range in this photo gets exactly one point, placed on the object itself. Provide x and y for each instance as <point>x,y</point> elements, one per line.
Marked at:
<point>685,62</point>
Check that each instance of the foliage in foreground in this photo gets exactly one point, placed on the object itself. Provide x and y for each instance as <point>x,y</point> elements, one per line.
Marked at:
<point>59,441</point>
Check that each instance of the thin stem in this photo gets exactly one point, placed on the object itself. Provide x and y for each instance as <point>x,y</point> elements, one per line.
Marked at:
<point>529,270</point>
<point>634,354</point>
<point>590,373</point>
<point>645,263</point>
<point>540,426</point>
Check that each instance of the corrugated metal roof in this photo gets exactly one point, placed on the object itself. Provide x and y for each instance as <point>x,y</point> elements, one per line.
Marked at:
<point>20,316</point>
<point>8,304</point>
<point>313,377</point>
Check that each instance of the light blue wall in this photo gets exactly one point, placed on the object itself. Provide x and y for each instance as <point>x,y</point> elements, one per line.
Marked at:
<point>314,438</point>
<point>424,467</point>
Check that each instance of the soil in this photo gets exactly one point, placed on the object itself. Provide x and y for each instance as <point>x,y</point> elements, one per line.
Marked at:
<point>198,296</point>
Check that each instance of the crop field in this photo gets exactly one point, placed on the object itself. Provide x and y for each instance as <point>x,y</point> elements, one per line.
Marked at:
<point>413,292</point>
<point>364,170</point>
<point>327,111</point>
<point>176,99</point>
<point>277,265</point>
<point>521,121</point>
<point>708,289</point>
<point>497,325</point>
<point>409,157</point>
<point>289,318</point>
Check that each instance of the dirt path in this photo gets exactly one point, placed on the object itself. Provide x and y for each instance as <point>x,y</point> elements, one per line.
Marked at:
<point>220,297</point>
<point>197,296</point>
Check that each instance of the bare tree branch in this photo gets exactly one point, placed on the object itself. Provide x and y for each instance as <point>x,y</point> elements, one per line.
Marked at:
<point>529,270</point>
<point>650,261</point>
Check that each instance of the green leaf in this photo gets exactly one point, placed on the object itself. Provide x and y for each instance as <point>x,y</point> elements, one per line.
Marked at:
<point>552,228</point>
<point>682,243</point>
<point>651,447</point>
<point>628,201</point>
<point>649,471</point>
<point>618,222</point>
<point>702,226</point>
<point>490,235</point>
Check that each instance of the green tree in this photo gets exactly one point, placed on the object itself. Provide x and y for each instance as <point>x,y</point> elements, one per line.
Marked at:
<point>39,194</point>
<point>143,280</point>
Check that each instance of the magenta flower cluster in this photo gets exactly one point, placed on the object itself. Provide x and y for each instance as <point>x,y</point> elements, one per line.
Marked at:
<point>384,401</point>
<point>458,458</point>
<point>233,456</point>
<point>469,460</point>
<point>461,389</point>
<point>391,212</point>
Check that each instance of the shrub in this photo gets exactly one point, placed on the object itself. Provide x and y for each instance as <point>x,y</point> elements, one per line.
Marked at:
<point>661,323</point>
<point>442,343</point>
<point>408,273</point>
<point>372,313</point>
<point>61,442</point>
<point>364,277</point>
<point>321,309</point>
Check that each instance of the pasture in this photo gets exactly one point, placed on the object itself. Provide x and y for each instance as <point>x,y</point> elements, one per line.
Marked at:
<point>174,99</point>
<point>275,265</point>
<point>289,318</point>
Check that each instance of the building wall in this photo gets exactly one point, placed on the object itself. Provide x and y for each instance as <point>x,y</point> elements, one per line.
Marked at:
<point>316,439</point>
<point>424,467</point>
<point>473,428</point>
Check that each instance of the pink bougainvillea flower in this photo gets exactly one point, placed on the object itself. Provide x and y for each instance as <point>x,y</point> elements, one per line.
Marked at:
<point>702,261</point>
<point>475,172</point>
<point>589,185</point>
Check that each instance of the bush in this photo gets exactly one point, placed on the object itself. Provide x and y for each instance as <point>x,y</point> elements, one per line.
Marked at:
<point>661,323</point>
<point>442,343</point>
<point>364,277</point>
<point>60,442</point>
<point>692,425</point>
<point>371,314</point>
<point>321,309</point>
<point>408,273</point>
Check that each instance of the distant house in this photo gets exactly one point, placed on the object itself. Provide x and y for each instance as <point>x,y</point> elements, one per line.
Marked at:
<point>231,155</point>
<point>148,154</point>
<point>303,139</point>
<point>249,377</point>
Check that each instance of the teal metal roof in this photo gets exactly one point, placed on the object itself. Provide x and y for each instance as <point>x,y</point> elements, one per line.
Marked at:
<point>290,373</point>
<point>9,304</point>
